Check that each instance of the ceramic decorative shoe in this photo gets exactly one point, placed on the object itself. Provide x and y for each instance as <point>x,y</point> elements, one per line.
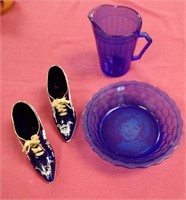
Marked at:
<point>59,96</point>
<point>30,133</point>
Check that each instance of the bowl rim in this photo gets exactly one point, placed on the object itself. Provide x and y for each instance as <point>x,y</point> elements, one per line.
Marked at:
<point>149,163</point>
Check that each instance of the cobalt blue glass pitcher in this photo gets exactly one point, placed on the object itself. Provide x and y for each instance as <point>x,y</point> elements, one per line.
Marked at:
<point>116,30</point>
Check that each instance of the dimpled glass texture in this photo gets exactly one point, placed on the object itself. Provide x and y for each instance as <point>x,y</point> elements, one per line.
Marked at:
<point>151,132</point>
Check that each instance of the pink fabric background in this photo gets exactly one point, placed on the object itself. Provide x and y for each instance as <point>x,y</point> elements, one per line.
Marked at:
<point>38,34</point>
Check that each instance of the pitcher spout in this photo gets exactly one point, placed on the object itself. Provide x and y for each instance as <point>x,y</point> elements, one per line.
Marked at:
<point>95,16</point>
<point>91,16</point>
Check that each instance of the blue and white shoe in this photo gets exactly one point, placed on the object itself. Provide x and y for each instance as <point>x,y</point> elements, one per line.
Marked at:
<point>30,133</point>
<point>60,99</point>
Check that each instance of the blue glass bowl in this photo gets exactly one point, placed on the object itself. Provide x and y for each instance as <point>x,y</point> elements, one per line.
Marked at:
<point>132,124</point>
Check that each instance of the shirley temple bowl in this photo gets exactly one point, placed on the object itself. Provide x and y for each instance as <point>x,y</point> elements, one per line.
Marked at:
<point>132,124</point>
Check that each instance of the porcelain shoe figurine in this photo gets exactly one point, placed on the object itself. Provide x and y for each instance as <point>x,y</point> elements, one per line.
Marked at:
<point>30,133</point>
<point>60,99</point>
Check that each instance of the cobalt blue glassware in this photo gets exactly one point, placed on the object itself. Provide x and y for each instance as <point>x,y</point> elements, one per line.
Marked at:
<point>116,30</point>
<point>32,136</point>
<point>60,99</point>
<point>132,124</point>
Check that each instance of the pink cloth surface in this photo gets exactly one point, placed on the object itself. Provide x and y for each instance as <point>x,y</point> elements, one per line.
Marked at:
<point>38,34</point>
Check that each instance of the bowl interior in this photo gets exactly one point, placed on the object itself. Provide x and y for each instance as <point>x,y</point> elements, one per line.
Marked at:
<point>130,131</point>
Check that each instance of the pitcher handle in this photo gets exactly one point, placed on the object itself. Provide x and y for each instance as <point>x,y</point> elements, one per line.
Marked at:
<point>149,41</point>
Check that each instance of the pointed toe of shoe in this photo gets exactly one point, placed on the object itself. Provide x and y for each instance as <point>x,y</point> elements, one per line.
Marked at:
<point>46,168</point>
<point>69,137</point>
<point>51,177</point>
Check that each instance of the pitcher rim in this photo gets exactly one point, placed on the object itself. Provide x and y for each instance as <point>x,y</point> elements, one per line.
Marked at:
<point>93,10</point>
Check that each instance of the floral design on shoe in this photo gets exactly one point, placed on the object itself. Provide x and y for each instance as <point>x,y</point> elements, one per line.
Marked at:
<point>32,136</point>
<point>60,99</point>
<point>46,170</point>
<point>65,128</point>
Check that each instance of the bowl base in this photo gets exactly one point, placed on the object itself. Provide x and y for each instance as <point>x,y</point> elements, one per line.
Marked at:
<point>130,131</point>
